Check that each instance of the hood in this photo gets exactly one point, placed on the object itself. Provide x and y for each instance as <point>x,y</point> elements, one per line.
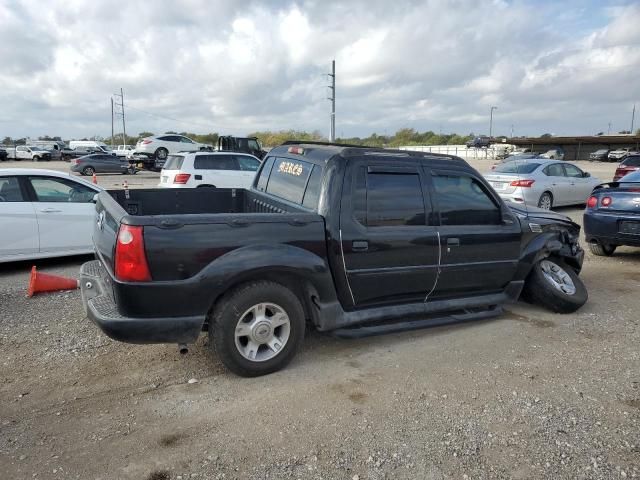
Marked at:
<point>535,212</point>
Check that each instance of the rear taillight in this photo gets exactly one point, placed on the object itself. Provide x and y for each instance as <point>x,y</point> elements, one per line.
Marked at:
<point>522,183</point>
<point>146,142</point>
<point>606,201</point>
<point>181,178</point>
<point>130,260</point>
<point>592,202</point>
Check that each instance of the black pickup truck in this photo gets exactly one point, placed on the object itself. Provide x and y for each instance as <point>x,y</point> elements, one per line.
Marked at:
<point>353,240</point>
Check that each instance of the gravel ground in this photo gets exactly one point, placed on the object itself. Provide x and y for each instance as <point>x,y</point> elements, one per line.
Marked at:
<point>528,395</point>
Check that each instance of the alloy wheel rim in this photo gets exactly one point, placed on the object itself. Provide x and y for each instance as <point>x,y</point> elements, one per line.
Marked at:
<point>558,277</point>
<point>262,332</point>
<point>545,202</point>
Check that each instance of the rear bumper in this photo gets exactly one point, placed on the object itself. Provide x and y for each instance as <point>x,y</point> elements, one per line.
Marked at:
<point>101,308</point>
<point>603,228</point>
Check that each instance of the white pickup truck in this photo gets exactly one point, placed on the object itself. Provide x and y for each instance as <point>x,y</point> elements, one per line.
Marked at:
<point>23,152</point>
<point>123,150</point>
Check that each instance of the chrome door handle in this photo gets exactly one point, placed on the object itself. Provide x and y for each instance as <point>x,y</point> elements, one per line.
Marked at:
<point>50,210</point>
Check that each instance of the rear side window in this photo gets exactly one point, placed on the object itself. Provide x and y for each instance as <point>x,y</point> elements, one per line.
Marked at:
<point>247,163</point>
<point>312,194</point>
<point>10,190</point>
<point>394,199</point>
<point>632,161</point>
<point>215,162</point>
<point>174,162</point>
<point>289,179</point>
<point>464,200</point>
<point>554,170</point>
<point>264,174</point>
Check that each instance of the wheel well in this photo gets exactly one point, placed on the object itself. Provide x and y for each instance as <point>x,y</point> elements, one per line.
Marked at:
<point>206,185</point>
<point>297,284</point>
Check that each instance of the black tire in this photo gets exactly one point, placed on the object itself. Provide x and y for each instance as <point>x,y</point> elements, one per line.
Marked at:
<point>543,199</point>
<point>540,290</point>
<point>227,314</point>
<point>88,171</point>
<point>602,250</point>
<point>132,170</point>
<point>36,158</point>
<point>161,153</point>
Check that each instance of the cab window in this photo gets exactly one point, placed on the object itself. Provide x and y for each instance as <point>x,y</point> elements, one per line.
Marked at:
<point>463,200</point>
<point>288,179</point>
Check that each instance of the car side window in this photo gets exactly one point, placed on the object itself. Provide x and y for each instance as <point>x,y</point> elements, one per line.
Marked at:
<point>573,171</point>
<point>49,189</point>
<point>554,170</point>
<point>463,200</point>
<point>214,162</point>
<point>387,199</point>
<point>21,149</point>
<point>247,163</point>
<point>263,179</point>
<point>10,190</point>
<point>312,193</point>
<point>185,140</point>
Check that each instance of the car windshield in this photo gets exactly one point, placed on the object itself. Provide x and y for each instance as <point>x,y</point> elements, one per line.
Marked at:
<point>633,177</point>
<point>516,167</point>
<point>601,151</point>
<point>633,161</point>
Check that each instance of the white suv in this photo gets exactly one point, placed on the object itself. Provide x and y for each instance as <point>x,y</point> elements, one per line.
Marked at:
<point>159,146</point>
<point>209,169</point>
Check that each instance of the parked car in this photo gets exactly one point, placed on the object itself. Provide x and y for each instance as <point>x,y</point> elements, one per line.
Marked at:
<point>160,146</point>
<point>619,154</point>
<point>629,165</point>
<point>36,154</point>
<point>209,169</point>
<point>554,154</point>
<point>101,163</point>
<point>601,155</point>
<point>250,145</point>
<point>542,183</point>
<point>356,240</point>
<point>479,142</point>
<point>520,157</point>
<point>3,155</point>
<point>44,213</point>
<point>54,147</point>
<point>611,218</point>
<point>123,150</point>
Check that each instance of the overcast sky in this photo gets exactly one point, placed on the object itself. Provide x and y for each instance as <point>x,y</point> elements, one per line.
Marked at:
<point>235,66</point>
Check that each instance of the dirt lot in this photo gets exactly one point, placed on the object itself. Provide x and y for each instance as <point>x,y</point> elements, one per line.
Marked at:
<point>528,395</point>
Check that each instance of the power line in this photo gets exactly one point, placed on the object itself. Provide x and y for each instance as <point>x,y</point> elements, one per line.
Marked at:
<point>165,117</point>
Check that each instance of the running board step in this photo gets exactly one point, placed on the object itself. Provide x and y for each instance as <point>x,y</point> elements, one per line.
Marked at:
<point>400,326</point>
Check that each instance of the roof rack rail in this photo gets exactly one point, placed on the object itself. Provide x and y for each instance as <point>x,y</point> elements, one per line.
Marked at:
<point>328,144</point>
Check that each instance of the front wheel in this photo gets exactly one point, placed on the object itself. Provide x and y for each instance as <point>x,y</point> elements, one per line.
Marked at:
<point>36,158</point>
<point>257,328</point>
<point>555,286</point>
<point>88,171</point>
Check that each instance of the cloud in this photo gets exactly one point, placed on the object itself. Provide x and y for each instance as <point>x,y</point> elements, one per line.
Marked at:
<point>237,66</point>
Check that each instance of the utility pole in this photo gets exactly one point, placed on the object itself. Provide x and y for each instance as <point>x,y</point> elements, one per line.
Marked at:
<point>332,130</point>
<point>112,123</point>
<point>512,130</point>
<point>609,129</point>
<point>491,121</point>
<point>633,117</point>
<point>121,113</point>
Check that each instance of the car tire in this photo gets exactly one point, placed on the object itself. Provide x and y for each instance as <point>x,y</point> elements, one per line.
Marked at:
<point>252,308</point>
<point>36,158</point>
<point>161,153</point>
<point>132,170</point>
<point>555,286</point>
<point>602,250</point>
<point>546,201</point>
<point>88,171</point>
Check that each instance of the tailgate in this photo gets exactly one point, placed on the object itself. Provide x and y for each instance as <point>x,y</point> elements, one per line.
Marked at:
<point>105,228</point>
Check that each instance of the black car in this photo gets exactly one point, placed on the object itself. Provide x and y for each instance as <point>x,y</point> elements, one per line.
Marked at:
<point>601,155</point>
<point>612,217</point>
<point>354,240</point>
<point>479,142</point>
<point>3,155</point>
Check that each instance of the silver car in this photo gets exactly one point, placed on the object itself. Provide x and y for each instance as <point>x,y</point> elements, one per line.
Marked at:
<point>542,183</point>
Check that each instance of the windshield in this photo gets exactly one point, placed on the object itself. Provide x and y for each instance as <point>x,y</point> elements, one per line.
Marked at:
<point>516,167</point>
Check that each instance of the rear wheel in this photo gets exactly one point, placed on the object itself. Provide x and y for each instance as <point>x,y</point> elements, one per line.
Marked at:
<point>257,328</point>
<point>602,250</point>
<point>88,171</point>
<point>546,201</point>
<point>555,286</point>
<point>161,153</point>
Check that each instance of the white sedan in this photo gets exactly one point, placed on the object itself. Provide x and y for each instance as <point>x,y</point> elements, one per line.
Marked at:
<point>542,183</point>
<point>44,213</point>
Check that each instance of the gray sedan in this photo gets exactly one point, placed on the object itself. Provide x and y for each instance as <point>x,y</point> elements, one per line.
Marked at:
<point>542,183</point>
<point>101,163</point>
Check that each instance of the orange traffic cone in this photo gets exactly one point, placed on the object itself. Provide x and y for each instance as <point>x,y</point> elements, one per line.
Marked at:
<point>43,282</point>
<point>94,179</point>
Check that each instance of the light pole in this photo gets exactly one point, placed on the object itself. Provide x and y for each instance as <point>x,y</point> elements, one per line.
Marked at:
<point>491,121</point>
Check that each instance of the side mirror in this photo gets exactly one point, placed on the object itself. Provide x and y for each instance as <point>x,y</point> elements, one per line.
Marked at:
<point>95,198</point>
<point>586,175</point>
<point>507,218</point>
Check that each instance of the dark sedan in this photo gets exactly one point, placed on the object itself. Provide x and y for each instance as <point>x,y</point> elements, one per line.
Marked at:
<point>101,163</point>
<point>601,155</point>
<point>612,217</point>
